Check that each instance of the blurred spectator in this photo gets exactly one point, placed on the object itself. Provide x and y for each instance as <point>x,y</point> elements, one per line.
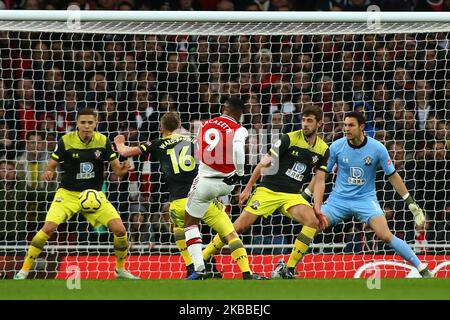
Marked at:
<point>7,145</point>
<point>422,104</point>
<point>12,204</point>
<point>27,110</point>
<point>225,5</point>
<point>30,167</point>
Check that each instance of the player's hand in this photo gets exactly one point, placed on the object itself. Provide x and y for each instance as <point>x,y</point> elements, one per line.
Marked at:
<point>232,180</point>
<point>245,194</point>
<point>119,139</point>
<point>419,216</point>
<point>48,175</point>
<point>323,222</point>
<point>126,166</point>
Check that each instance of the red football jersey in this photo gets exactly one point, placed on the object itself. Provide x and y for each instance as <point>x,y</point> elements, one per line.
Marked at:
<point>215,143</point>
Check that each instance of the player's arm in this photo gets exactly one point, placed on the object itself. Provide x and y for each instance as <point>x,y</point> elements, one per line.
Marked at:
<point>50,169</point>
<point>238,156</point>
<point>400,187</point>
<point>53,162</point>
<point>120,168</point>
<point>124,150</point>
<point>267,161</point>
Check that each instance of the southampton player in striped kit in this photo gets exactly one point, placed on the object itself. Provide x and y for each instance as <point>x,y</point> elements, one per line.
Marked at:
<point>221,151</point>
<point>357,158</point>
<point>82,155</point>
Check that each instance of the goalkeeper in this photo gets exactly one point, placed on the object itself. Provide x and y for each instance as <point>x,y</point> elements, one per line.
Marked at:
<point>82,154</point>
<point>357,158</point>
<point>175,152</point>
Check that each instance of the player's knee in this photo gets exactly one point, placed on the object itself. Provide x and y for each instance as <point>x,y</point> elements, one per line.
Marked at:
<point>239,228</point>
<point>120,231</point>
<point>49,228</point>
<point>311,221</point>
<point>386,237</point>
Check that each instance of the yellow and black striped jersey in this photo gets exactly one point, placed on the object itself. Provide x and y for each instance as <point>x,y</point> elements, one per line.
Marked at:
<point>295,160</point>
<point>82,164</point>
<point>175,154</point>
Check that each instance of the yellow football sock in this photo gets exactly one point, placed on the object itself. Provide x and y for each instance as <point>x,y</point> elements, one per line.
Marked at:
<point>239,254</point>
<point>37,244</point>
<point>301,245</point>
<point>213,247</point>
<point>120,251</point>
<point>180,240</point>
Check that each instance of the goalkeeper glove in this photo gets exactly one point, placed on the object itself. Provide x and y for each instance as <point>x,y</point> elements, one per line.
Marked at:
<point>231,180</point>
<point>419,216</point>
<point>307,195</point>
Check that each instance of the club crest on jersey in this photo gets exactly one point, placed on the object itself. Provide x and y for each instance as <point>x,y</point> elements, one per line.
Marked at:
<point>97,154</point>
<point>368,161</point>
<point>315,159</point>
<point>255,204</point>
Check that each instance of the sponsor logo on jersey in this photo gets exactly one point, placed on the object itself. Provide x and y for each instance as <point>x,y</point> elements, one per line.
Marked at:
<point>368,161</point>
<point>255,204</point>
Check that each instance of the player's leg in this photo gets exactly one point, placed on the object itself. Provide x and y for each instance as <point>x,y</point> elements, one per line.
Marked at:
<point>35,248</point>
<point>219,221</point>
<point>263,202</point>
<point>116,226</point>
<point>203,192</point>
<point>241,224</point>
<point>303,214</point>
<point>177,212</point>
<point>380,227</point>
<point>108,216</point>
<point>63,207</point>
<point>334,210</point>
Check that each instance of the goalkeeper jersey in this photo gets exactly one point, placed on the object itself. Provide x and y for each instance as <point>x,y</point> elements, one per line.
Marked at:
<point>357,167</point>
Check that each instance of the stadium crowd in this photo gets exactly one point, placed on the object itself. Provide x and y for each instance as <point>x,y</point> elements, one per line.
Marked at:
<point>400,81</point>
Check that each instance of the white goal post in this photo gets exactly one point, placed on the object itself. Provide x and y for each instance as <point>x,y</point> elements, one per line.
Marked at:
<point>134,66</point>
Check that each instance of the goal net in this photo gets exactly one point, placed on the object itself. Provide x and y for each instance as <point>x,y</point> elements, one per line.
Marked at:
<point>134,70</point>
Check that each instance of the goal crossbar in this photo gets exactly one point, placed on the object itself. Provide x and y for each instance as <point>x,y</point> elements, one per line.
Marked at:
<point>222,23</point>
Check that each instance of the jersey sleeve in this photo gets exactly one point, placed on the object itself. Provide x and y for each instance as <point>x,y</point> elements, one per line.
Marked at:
<point>240,135</point>
<point>280,147</point>
<point>385,160</point>
<point>322,163</point>
<point>239,150</point>
<point>109,155</point>
<point>60,150</point>
<point>145,148</point>
<point>332,159</point>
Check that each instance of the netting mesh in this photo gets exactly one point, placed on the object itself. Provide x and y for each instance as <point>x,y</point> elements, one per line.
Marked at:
<point>397,76</point>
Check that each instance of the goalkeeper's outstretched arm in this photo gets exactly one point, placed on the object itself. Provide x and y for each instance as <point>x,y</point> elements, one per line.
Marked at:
<point>399,186</point>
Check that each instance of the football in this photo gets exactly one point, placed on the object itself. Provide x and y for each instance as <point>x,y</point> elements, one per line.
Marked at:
<point>90,200</point>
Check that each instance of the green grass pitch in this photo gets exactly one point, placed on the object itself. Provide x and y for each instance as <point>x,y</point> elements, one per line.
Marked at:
<point>310,289</point>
